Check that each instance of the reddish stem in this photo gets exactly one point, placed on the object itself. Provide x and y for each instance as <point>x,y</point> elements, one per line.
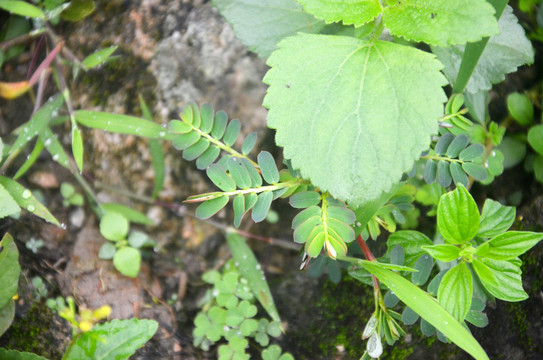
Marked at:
<point>369,256</point>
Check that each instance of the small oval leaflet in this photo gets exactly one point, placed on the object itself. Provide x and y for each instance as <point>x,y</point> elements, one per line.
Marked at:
<point>472,152</point>
<point>443,174</point>
<point>206,113</point>
<point>268,167</point>
<point>458,144</point>
<point>219,125</point>
<point>183,141</point>
<point>232,132</point>
<point>239,173</point>
<point>305,199</point>
<point>262,206</point>
<point>249,143</point>
<point>211,207</point>
<point>220,178</point>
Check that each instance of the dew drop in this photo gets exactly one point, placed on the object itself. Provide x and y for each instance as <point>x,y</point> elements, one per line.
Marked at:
<point>162,133</point>
<point>446,323</point>
<point>55,157</point>
<point>26,194</point>
<point>31,208</point>
<point>63,226</point>
<point>47,142</point>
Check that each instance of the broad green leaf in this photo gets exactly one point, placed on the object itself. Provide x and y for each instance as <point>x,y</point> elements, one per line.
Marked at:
<point>356,12</point>
<point>424,267</point>
<point>457,216</point>
<point>37,122</point>
<point>455,291</point>
<point>535,138</point>
<point>501,278</point>
<point>78,10</point>
<point>495,219</point>
<point>18,355</point>
<point>441,22</point>
<point>127,260</point>
<point>305,199</point>
<point>442,252</point>
<point>116,339</point>
<point>77,147</point>
<point>262,206</point>
<point>261,24</point>
<point>114,226</point>
<point>358,146</point>
<point>220,178</point>
<point>503,54</point>
<point>129,213</point>
<point>8,206</point>
<point>21,8</point>
<point>411,242</point>
<point>107,251</point>
<point>210,207</point>
<point>24,198</point>
<point>122,124</point>
<point>511,244</point>
<point>250,269</point>
<point>521,108</point>
<point>7,313</point>
<point>426,306</point>
<point>98,57</point>
<point>9,276</point>
<point>268,167</point>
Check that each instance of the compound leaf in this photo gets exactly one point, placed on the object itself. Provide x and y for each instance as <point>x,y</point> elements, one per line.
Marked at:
<point>356,146</point>
<point>441,22</point>
<point>261,24</point>
<point>503,54</point>
<point>355,12</point>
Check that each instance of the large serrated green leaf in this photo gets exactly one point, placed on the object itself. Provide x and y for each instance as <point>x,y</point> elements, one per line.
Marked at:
<point>356,12</point>
<point>117,339</point>
<point>10,270</point>
<point>7,313</point>
<point>426,306</point>
<point>503,54</point>
<point>383,112</point>
<point>441,22</point>
<point>261,24</point>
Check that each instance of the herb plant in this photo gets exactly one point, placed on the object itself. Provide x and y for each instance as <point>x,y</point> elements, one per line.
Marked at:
<point>366,129</point>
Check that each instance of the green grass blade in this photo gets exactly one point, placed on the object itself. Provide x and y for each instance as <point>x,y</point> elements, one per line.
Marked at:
<point>473,53</point>
<point>30,160</point>
<point>250,269</point>
<point>428,308</point>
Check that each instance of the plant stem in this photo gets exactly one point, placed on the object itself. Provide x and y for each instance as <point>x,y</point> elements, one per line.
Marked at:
<point>368,254</point>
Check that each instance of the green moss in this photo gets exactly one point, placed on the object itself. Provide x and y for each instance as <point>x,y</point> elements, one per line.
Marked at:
<point>32,333</point>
